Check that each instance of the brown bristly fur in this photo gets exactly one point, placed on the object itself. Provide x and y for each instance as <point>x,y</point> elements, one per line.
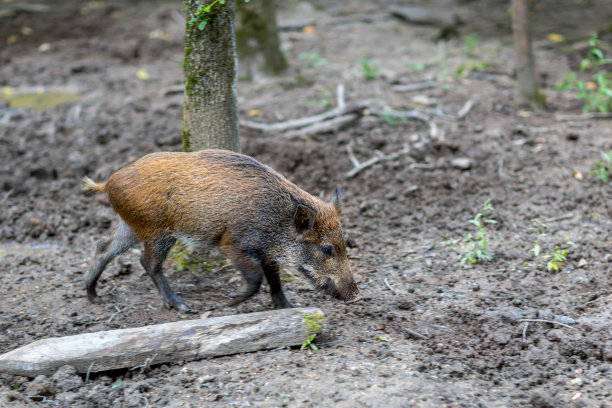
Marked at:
<point>257,217</point>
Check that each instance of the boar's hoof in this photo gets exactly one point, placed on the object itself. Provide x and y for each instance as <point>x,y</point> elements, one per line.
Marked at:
<point>281,303</point>
<point>239,298</point>
<point>175,303</point>
<point>93,297</point>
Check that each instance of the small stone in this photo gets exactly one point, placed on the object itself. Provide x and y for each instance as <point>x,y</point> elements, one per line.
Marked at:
<point>577,381</point>
<point>35,227</point>
<point>67,379</point>
<point>41,385</point>
<point>564,319</point>
<point>11,399</point>
<point>542,399</point>
<point>168,139</point>
<point>461,163</point>
<point>502,338</point>
<point>554,334</point>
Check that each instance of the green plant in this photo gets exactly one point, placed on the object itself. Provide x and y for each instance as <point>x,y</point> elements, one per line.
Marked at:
<point>391,118</point>
<point>554,259</point>
<point>314,321</point>
<point>415,66</point>
<point>603,167</point>
<point>324,101</point>
<point>186,260</point>
<point>538,227</point>
<point>317,60</point>
<point>478,244</point>
<point>202,14</point>
<point>117,384</point>
<point>470,41</point>
<point>597,90</point>
<point>472,66</point>
<point>368,68</point>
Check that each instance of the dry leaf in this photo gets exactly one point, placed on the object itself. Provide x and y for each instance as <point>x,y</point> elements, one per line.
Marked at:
<point>254,112</point>
<point>309,29</point>
<point>577,175</point>
<point>142,74</point>
<point>556,38</point>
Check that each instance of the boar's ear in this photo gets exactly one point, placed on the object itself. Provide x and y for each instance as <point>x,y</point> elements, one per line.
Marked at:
<point>304,219</point>
<point>336,199</point>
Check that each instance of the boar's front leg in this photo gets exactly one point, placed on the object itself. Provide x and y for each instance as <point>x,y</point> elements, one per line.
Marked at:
<point>272,272</point>
<point>152,260</point>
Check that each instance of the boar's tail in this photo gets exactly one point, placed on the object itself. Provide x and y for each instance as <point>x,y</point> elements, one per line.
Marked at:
<point>90,185</point>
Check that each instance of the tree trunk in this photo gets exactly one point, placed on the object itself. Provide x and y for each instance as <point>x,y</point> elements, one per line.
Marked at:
<point>185,340</point>
<point>257,39</point>
<point>210,117</point>
<point>527,93</point>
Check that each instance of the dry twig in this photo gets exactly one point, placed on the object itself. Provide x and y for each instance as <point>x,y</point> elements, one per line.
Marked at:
<point>389,286</point>
<point>417,86</point>
<point>146,363</point>
<point>115,314</point>
<point>335,118</point>
<point>548,321</point>
<point>415,334</point>
<point>465,109</point>
<point>584,116</point>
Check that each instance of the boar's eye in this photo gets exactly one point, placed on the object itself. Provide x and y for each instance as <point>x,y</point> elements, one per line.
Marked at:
<point>328,250</point>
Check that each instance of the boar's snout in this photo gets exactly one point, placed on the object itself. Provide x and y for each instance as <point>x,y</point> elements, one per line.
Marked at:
<point>343,289</point>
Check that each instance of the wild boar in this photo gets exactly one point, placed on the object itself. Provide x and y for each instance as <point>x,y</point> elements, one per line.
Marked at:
<point>259,219</point>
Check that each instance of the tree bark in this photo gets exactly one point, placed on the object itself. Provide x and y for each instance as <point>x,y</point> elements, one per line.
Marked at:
<point>184,340</point>
<point>210,117</point>
<point>257,39</point>
<point>527,93</point>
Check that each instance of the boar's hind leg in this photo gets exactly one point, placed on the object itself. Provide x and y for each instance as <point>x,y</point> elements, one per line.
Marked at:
<point>152,260</point>
<point>272,272</point>
<point>123,238</point>
<point>251,272</point>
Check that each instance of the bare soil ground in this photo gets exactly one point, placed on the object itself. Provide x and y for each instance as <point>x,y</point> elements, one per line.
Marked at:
<point>408,215</point>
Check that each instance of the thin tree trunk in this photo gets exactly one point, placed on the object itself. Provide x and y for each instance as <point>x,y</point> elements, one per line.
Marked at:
<point>210,117</point>
<point>257,39</point>
<point>527,93</point>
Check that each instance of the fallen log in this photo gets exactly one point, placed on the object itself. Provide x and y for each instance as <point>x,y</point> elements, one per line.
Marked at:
<point>162,343</point>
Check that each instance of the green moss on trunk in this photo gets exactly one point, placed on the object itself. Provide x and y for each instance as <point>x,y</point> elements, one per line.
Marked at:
<point>210,118</point>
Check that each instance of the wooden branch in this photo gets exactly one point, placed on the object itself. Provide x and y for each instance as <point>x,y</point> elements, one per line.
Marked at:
<point>462,113</point>
<point>584,116</point>
<point>170,342</point>
<point>381,109</point>
<point>335,118</point>
<point>331,125</point>
<point>378,157</point>
<point>417,86</point>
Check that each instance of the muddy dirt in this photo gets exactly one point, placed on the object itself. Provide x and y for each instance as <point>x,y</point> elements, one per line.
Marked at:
<point>470,344</point>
